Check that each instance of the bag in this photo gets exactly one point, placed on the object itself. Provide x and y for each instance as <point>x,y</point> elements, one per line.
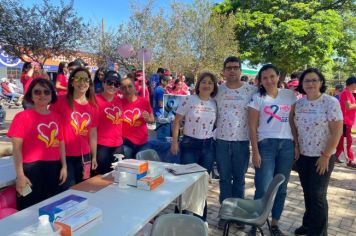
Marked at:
<point>86,167</point>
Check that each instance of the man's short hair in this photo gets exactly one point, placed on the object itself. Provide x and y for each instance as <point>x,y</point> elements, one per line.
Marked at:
<point>351,80</point>
<point>160,70</point>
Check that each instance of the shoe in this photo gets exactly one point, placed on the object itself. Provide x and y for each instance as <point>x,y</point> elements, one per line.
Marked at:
<point>351,164</point>
<point>253,231</point>
<point>338,161</point>
<point>221,224</point>
<point>302,230</point>
<point>276,231</point>
<point>239,225</point>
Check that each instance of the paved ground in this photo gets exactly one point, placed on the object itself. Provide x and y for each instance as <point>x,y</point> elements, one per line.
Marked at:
<point>341,197</point>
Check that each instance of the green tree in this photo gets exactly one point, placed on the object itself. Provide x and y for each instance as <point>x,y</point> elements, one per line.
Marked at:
<point>291,34</point>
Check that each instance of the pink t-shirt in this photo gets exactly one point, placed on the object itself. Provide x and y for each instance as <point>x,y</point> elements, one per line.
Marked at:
<point>349,115</point>
<point>76,123</point>
<point>40,134</point>
<point>64,82</point>
<point>26,81</point>
<point>134,127</point>
<point>110,125</point>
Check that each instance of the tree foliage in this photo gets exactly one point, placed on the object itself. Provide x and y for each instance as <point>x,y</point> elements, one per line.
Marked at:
<point>293,34</point>
<point>41,31</point>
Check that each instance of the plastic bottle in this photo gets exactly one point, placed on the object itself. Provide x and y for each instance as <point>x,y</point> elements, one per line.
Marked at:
<point>44,226</point>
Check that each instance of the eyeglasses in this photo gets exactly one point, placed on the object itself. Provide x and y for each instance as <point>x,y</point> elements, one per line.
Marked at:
<point>80,79</point>
<point>230,68</point>
<point>111,83</point>
<point>39,92</point>
<point>312,81</point>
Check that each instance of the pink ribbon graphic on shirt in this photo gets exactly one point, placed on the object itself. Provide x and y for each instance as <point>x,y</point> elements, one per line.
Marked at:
<point>272,110</point>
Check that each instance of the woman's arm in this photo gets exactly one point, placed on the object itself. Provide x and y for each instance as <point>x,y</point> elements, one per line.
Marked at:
<point>148,117</point>
<point>294,132</point>
<point>59,86</point>
<point>175,133</point>
<point>63,173</point>
<point>322,163</point>
<point>21,179</point>
<point>253,121</point>
<point>93,142</point>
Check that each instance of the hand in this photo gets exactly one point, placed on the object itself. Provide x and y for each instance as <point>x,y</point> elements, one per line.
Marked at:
<point>94,164</point>
<point>174,148</point>
<point>146,116</point>
<point>296,152</point>
<point>21,183</point>
<point>322,165</point>
<point>63,175</point>
<point>256,160</point>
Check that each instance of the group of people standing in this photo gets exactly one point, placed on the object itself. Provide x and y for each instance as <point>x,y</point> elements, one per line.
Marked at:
<point>59,145</point>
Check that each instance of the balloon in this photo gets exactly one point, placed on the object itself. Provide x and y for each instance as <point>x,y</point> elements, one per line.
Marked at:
<point>144,53</point>
<point>126,50</point>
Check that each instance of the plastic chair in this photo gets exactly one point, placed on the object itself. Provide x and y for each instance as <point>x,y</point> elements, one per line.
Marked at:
<point>148,155</point>
<point>251,212</point>
<point>179,224</point>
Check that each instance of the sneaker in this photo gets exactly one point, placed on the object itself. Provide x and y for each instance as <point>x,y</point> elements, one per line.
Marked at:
<point>276,231</point>
<point>351,164</point>
<point>338,161</point>
<point>221,224</point>
<point>302,230</point>
<point>253,231</point>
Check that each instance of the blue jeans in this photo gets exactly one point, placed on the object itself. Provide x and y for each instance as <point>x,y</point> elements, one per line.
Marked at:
<point>277,157</point>
<point>163,150</point>
<point>232,158</point>
<point>200,151</point>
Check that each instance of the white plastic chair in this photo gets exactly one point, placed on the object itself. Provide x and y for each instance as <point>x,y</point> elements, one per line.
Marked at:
<point>148,155</point>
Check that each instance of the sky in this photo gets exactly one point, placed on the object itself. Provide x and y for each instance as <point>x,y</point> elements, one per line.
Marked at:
<point>114,12</point>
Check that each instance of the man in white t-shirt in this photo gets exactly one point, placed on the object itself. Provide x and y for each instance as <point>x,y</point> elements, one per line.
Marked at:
<point>232,140</point>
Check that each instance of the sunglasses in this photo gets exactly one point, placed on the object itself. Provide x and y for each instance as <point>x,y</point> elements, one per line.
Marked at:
<point>111,83</point>
<point>39,92</point>
<point>80,79</point>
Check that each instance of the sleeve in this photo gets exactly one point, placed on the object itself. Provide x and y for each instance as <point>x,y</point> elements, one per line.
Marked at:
<point>333,111</point>
<point>95,116</point>
<point>17,127</point>
<point>60,128</point>
<point>255,102</point>
<point>160,93</point>
<point>183,107</point>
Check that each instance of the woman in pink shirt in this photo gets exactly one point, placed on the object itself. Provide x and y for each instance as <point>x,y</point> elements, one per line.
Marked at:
<point>178,88</point>
<point>62,79</point>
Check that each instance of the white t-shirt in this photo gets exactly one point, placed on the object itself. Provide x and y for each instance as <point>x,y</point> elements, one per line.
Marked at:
<point>232,122</point>
<point>311,119</point>
<point>199,116</point>
<point>274,114</point>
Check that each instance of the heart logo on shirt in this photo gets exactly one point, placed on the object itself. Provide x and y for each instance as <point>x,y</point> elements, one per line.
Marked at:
<point>48,133</point>
<point>113,114</point>
<point>80,122</point>
<point>131,116</point>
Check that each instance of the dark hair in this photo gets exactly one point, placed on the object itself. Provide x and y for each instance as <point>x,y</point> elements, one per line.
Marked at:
<point>26,66</point>
<point>90,93</point>
<point>244,78</point>
<point>160,70</point>
<point>44,83</point>
<point>232,59</point>
<point>307,71</point>
<point>61,66</point>
<point>212,77</point>
<point>96,76</point>
<point>351,80</point>
<point>261,89</point>
<point>163,77</point>
<point>74,63</point>
<point>339,87</point>
<point>295,75</point>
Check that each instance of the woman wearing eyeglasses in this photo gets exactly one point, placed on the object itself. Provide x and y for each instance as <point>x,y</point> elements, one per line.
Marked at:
<point>318,126</point>
<point>137,112</point>
<point>79,120</point>
<point>110,125</point>
<point>38,147</point>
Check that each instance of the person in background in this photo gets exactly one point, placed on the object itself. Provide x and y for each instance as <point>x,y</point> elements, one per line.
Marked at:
<point>244,78</point>
<point>110,125</point>
<point>317,125</point>
<point>38,146</point>
<point>62,78</point>
<point>293,84</point>
<point>137,112</point>
<point>178,88</point>
<point>98,79</point>
<point>26,75</point>
<point>78,113</point>
<point>163,124</point>
<point>232,138</point>
<point>348,108</point>
<point>74,65</point>
<point>7,91</point>
<point>142,90</point>
<point>271,138</point>
<point>338,89</point>
<point>199,112</point>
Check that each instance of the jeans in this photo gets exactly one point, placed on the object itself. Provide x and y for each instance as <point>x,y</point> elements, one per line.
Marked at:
<point>277,157</point>
<point>315,188</point>
<point>163,131</point>
<point>130,149</point>
<point>105,156</point>
<point>163,150</point>
<point>200,151</point>
<point>340,146</point>
<point>232,158</point>
<point>75,170</point>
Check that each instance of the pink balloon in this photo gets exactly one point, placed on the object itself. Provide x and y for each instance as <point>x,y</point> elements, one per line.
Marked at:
<point>126,50</point>
<point>144,53</point>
